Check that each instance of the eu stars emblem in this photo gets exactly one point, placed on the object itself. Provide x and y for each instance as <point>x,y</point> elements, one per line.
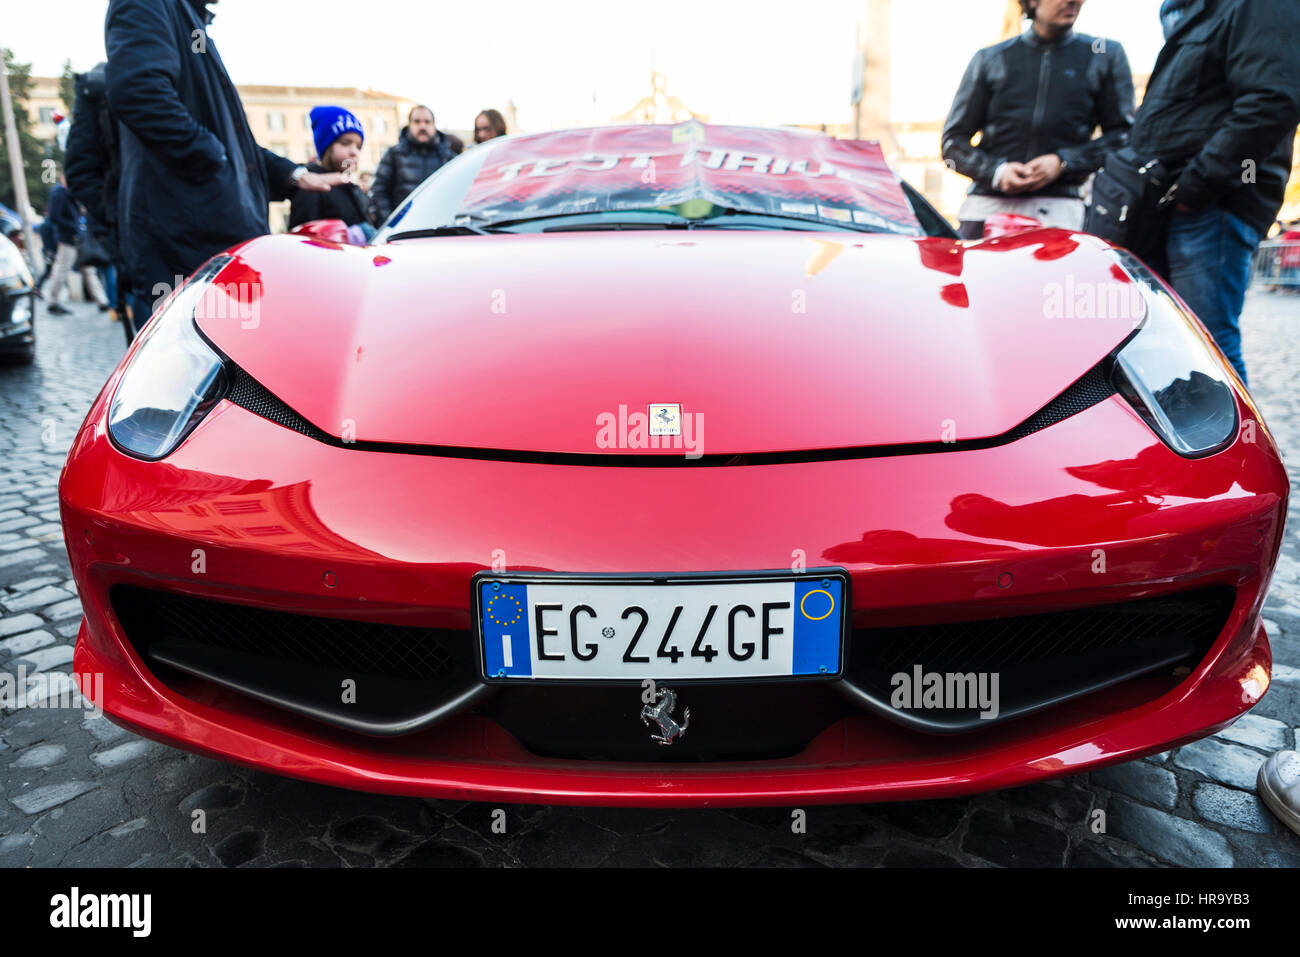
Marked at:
<point>504,610</point>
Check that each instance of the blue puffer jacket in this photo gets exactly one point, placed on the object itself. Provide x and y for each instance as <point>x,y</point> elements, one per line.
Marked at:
<point>405,166</point>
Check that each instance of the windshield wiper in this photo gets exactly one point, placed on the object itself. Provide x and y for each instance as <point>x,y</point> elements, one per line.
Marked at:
<point>796,225</point>
<point>745,219</point>
<point>587,222</point>
<point>595,227</point>
<point>726,219</point>
<point>462,230</point>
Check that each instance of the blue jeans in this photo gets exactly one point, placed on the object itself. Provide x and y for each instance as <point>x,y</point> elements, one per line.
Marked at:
<point>108,276</point>
<point>141,310</point>
<point>1210,254</point>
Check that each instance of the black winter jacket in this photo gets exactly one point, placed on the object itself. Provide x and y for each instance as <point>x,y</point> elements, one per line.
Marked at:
<point>347,202</point>
<point>1223,103</point>
<point>405,166</point>
<point>62,212</point>
<point>193,179</point>
<point>91,159</point>
<point>1028,97</point>
<point>85,157</point>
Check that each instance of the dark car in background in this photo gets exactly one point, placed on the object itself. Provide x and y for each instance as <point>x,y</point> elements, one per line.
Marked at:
<point>17,306</point>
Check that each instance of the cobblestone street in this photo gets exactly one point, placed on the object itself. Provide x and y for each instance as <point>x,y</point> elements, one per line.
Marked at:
<point>78,790</point>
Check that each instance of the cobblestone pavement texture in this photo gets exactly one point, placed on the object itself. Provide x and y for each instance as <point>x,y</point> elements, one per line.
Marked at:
<point>78,790</point>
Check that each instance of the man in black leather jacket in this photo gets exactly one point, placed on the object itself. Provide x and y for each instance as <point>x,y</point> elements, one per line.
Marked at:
<point>1036,100</point>
<point>421,151</point>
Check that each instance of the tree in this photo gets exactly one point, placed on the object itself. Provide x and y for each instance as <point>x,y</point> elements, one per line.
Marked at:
<point>33,151</point>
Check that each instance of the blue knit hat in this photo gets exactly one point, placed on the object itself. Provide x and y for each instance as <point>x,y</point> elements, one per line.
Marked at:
<point>328,123</point>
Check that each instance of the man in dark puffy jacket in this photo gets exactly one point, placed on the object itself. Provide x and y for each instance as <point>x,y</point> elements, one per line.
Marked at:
<point>193,179</point>
<point>421,151</point>
<point>91,160</point>
<point>1035,100</point>
<point>1220,111</point>
<point>93,171</point>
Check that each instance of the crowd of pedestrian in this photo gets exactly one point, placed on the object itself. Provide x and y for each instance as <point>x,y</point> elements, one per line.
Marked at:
<point>161,158</point>
<point>368,198</point>
<point>63,230</point>
<point>163,170</point>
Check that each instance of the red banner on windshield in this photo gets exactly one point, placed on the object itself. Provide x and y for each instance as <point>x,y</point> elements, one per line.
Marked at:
<point>784,173</point>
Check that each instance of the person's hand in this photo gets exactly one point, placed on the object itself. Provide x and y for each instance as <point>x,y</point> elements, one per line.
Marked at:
<point>1016,178</point>
<point>321,182</point>
<point>1044,170</point>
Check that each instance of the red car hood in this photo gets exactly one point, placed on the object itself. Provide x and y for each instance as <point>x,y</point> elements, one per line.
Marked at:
<point>768,341</point>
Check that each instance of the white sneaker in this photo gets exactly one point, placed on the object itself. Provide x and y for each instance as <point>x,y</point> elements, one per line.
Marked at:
<point>1278,785</point>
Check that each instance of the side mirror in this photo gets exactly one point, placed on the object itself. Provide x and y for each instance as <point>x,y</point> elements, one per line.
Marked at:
<point>329,230</point>
<point>1008,224</point>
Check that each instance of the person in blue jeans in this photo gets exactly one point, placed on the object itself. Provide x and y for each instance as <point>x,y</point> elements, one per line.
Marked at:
<point>1209,257</point>
<point>1221,110</point>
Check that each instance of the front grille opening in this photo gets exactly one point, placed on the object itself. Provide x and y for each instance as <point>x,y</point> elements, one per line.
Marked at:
<point>408,678</point>
<point>400,675</point>
<point>1040,659</point>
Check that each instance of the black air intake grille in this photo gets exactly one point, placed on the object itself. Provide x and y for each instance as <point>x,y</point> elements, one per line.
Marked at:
<point>375,678</point>
<point>1040,659</point>
<point>1000,643</point>
<point>357,647</point>
<point>1093,388</point>
<point>252,395</point>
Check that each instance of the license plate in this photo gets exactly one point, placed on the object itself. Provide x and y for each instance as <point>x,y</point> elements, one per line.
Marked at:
<point>624,628</point>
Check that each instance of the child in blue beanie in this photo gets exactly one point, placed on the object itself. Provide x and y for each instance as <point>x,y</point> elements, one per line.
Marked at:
<point>338,135</point>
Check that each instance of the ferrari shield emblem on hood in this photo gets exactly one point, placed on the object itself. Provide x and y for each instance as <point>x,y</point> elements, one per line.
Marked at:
<point>665,419</point>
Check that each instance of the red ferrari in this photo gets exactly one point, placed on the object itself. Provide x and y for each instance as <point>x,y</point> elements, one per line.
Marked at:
<point>673,465</point>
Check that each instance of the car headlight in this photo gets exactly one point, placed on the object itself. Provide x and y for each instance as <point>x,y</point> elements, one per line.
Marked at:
<point>174,379</point>
<point>13,269</point>
<point>20,313</point>
<point>1172,378</point>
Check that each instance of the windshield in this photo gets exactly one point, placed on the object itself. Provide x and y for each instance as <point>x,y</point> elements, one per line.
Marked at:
<point>687,176</point>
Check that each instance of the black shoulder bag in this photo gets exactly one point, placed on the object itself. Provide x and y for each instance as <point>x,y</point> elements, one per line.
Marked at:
<point>1131,202</point>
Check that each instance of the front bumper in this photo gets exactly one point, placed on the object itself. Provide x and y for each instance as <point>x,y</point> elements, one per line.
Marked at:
<point>940,536</point>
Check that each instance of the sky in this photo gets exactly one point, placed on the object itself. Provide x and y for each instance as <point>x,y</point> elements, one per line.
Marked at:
<point>573,62</point>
